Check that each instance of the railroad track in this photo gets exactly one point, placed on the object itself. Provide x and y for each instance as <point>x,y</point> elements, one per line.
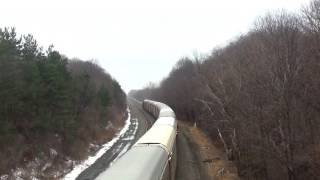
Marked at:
<point>139,119</point>
<point>153,156</point>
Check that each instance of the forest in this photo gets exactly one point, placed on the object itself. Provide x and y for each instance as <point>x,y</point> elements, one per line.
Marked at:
<point>258,97</point>
<point>52,107</point>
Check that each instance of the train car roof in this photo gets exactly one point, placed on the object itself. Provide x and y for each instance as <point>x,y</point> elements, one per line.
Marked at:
<point>158,134</point>
<point>139,163</point>
<point>170,121</point>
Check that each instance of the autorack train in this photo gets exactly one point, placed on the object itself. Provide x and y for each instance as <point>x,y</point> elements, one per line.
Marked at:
<point>153,156</point>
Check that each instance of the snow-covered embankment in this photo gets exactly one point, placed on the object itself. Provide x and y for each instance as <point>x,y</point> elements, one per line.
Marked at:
<point>91,159</point>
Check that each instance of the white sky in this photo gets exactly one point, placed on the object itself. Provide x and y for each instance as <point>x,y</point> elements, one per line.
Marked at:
<point>136,41</point>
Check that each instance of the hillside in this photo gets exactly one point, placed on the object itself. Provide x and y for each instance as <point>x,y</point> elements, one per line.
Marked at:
<point>54,110</point>
<point>258,96</point>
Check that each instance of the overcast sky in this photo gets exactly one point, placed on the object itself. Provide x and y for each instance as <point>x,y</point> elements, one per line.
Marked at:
<point>136,41</point>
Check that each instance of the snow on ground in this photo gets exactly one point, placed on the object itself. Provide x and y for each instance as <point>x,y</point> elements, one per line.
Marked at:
<point>126,148</point>
<point>135,123</point>
<point>4,177</point>
<point>30,171</point>
<point>85,164</point>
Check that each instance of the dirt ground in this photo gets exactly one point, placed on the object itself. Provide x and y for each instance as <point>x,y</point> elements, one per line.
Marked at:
<point>199,159</point>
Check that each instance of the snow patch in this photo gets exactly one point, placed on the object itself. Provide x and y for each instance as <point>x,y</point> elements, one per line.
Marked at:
<point>4,177</point>
<point>29,171</point>
<point>92,159</point>
<point>53,153</point>
<point>110,125</point>
<point>17,174</point>
<point>135,123</point>
<point>126,148</point>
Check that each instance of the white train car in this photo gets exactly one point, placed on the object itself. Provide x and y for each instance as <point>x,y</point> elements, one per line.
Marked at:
<point>153,156</point>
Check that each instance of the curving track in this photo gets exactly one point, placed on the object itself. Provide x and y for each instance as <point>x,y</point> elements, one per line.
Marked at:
<point>188,159</point>
<point>153,156</point>
<point>139,118</point>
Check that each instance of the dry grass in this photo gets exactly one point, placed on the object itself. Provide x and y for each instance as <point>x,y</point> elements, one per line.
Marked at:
<point>216,164</point>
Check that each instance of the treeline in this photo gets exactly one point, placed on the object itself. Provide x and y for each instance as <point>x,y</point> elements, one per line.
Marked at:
<point>51,103</point>
<point>258,96</point>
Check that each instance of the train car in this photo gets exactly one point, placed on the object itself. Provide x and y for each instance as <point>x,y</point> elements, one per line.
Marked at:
<point>153,156</point>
